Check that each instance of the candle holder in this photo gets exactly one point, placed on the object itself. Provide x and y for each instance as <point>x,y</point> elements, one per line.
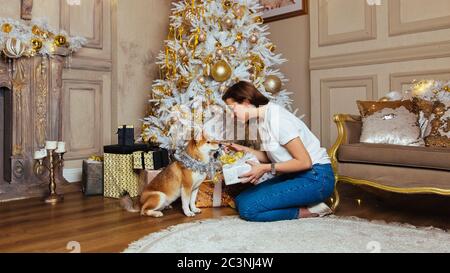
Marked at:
<point>53,164</point>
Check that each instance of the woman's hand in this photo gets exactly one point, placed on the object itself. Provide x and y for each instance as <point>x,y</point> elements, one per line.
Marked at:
<point>258,170</point>
<point>235,147</point>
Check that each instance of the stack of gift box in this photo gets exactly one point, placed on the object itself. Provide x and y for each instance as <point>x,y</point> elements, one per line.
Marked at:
<point>124,168</point>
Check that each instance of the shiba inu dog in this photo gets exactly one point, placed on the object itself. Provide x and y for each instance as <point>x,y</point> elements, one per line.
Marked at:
<point>175,181</point>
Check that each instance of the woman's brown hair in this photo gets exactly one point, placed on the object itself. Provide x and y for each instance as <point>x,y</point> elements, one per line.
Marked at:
<point>242,91</point>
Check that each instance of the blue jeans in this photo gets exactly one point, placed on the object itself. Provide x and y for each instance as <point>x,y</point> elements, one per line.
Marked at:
<point>281,197</point>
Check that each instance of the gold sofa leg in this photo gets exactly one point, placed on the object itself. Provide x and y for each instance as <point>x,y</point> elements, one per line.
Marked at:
<point>335,200</point>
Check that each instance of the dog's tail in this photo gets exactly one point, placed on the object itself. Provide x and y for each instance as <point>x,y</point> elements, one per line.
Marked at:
<point>127,203</point>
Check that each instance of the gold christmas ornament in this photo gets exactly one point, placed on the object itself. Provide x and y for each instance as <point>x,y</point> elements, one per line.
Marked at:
<point>188,17</point>
<point>239,10</point>
<point>259,20</point>
<point>36,44</point>
<point>221,71</point>
<point>228,22</point>
<point>253,39</point>
<point>7,28</point>
<point>14,48</point>
<point>384,99</point>
<point>202,80</point>
<point>271,47</point>
<point>227,4</point>
<point>182,83</point>
<point>231,49</point>
<point>239,36</point>
<point>181,52</point>
<point>219,52</point>
<point>272,84</point>
<point>36,30</point>
<point>60,40</point>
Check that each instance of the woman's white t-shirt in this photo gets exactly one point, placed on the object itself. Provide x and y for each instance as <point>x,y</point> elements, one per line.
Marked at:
<point>279,127</point>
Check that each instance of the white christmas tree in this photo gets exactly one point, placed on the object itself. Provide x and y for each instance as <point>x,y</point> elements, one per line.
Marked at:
<point>211,45</point>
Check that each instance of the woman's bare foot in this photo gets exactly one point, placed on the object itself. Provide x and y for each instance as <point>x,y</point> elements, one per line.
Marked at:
<point>305,213</point>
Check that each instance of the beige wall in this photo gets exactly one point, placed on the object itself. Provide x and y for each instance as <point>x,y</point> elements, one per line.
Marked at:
<point>141,28</point>
<point>373,51</point>
<point>291,36</point>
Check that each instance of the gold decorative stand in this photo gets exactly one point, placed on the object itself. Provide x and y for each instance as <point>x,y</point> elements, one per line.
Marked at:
<point>40,168</point>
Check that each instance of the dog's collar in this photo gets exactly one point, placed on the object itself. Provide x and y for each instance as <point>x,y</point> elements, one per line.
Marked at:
<point>196,165</point>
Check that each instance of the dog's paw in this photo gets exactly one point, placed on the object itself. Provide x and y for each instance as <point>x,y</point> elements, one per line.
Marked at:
<point>189,213</point>
<point>156,214</point>
<point>196,210</point>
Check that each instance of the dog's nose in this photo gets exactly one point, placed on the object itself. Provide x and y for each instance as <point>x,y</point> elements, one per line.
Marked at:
<point>216,154</point>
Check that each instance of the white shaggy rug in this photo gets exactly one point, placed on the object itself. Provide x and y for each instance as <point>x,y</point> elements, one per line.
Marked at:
<point>330,234</point>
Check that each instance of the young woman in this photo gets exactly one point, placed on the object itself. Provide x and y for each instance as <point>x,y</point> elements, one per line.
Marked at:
<point>304,176</point>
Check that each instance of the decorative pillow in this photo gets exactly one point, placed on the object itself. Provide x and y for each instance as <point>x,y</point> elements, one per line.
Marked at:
<point>391,122</point>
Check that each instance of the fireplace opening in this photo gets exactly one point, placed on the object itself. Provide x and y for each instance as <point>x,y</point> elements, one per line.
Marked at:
<point>5,134</point>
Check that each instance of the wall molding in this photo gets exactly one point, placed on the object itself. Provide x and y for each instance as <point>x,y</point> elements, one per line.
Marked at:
<point>91,64</point>
<point>95,86</point>
<point>397,27</point>
<point>96,41</point>
<point>382,56</point>
<point>73,175</point>
<point>369,32</point>
<point>397,80</point>
<point>369,82</point>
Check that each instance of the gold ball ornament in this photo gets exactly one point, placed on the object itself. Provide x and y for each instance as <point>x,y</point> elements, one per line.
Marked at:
<point>253,39</point>
<point>7,28</point>
<point>272,84</point>
<point>227,4</point>
<point>36,44</point>
<point>182,52</point>
<point>221,71</point>
<point>259,20</point>
<point>271,47</point>
<point>239,36</point>
<point>239,10</point>
<point>188,17</point>
<point>384,99</point>
<point>60,40</point>
<point>231,49</point>
<point>228,22</point>
<point>202,80</point>
<point>219,52</point>
<point>14,48</point>
<point>36,30</point>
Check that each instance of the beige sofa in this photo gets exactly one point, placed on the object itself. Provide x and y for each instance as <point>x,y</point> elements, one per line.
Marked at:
<point>401,169</point>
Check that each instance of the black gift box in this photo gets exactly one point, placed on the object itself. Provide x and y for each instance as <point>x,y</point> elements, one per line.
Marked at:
<point>160,156</point>
<point>125,135</point>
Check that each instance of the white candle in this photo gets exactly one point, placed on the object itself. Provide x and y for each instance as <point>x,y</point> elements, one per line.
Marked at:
<point>51,145</point>
<point>40,154</point>
<point>61,147</point>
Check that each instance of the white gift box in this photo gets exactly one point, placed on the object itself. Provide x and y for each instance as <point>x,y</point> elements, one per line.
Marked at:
<point>232,172</point>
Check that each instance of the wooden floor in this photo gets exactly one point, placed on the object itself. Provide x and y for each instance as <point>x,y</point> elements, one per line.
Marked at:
<point>100,225</point>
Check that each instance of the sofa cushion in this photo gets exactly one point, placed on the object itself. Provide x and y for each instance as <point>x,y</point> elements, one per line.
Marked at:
<point>397,177</point>
<point>395,155</point>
